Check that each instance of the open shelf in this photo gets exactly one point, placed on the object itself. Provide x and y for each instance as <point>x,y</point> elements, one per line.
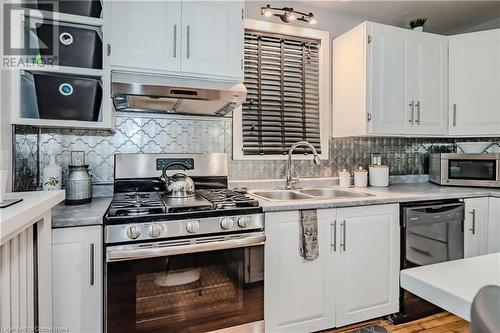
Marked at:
<point>19,116</point>
<point>64,70</point>
<point>62,17</point>
<point>63,123</point>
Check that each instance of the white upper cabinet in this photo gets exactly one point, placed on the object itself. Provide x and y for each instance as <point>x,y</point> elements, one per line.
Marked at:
<point>386,78</point>
<point>187,38</point>
<point>475,84</point>
<point>145,34</point>
<point>212,38</point>
<point>389,81</point>
<point>427,94</point>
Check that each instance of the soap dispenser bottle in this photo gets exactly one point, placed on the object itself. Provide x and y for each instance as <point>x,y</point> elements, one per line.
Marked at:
<point>52,174</point>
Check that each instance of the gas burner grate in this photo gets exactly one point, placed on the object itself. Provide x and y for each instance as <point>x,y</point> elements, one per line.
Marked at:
<point>136,204</point>
<point>225,198</point>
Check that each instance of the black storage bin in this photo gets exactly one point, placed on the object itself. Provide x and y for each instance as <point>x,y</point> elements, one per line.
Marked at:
<point>78,47</point>
<point>67,98</point>
<point>90,8</point>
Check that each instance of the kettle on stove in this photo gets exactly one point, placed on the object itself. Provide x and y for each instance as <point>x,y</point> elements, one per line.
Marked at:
<point>178,185</point>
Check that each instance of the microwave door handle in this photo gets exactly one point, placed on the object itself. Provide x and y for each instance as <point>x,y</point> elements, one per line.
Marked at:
<point>118,254</point>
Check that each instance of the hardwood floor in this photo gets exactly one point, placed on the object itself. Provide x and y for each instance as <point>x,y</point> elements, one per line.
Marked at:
<point>443,322</point>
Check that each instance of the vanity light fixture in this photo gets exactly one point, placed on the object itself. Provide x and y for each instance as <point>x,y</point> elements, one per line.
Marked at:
<point>288,14</point>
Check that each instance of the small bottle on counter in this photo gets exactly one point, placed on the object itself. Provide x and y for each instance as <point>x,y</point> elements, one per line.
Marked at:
<point>360,177</point>
<point>52,174</point>
<point>344,178</point>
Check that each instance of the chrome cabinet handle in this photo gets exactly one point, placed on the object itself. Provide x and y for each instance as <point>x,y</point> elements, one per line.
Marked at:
<point>333,235</point>
<point>417,106</point>
<point>412,110</point>
<point>188,35</point>
<point>175,40</point>
<point>343,227</point>
<point>473,229</point>
<point>92,264</point>
<point>454,115</point>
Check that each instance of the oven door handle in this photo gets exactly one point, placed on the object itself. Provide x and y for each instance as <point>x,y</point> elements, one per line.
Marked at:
<point>119,254</point>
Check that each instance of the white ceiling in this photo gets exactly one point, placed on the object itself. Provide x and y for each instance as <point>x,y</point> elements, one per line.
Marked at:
<point>444,17</point>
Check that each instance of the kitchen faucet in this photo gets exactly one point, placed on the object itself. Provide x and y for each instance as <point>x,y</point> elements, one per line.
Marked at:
<point>292,183</point>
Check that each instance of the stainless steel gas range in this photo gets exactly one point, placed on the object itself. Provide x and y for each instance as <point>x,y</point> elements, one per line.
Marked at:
<point>181,264</point>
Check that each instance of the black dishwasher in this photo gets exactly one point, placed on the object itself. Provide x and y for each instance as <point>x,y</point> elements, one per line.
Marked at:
<point>431,232</point>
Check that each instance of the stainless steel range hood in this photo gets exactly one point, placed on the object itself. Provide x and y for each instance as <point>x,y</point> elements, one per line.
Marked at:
<point>166,94</point>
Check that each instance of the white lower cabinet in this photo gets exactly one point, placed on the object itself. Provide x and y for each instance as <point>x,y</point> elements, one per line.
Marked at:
<point>299,294</point>
<point>494,225</point>
<point>355,278</point>
<point>476,227</point>
<point>77,279</point>
<point>367,268</point>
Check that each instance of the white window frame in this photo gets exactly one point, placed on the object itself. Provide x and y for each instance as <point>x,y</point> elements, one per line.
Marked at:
<point>324,90</point>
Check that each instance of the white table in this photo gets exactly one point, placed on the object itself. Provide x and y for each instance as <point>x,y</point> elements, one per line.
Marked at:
<point>19,249</point>
<point>452,285</point>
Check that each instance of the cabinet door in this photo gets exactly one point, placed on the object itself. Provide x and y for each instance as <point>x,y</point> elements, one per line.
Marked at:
<point>145,34</point>
<point>299,294</point>
<point>77,279</point>
<point>494,225</point>
<point>427,83</point>
<point>212,38</point>
<point>367,268</point>
<point>476,227</point>
<point>386,78</point>
<point>475,83</point>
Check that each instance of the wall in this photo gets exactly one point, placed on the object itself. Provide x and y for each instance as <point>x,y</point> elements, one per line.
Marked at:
<point>328,20</point>
<point>5,128</point>
<point>169,134</point>
<point>173,134</point>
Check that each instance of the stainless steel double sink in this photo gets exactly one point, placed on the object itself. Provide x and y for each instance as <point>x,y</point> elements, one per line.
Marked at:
<point>307,194</point>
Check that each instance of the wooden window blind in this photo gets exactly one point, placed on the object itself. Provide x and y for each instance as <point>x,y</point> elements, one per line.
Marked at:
<point>282,105</point>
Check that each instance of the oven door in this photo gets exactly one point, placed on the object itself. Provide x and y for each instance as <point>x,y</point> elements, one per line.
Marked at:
<point>175,287</point>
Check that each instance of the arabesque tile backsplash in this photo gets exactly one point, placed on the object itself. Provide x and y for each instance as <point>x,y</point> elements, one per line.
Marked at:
<point>172,134</point>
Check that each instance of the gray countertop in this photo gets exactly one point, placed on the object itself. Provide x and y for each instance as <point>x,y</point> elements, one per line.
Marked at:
<point>92,214</point>
<point>83,215</point>
<point>385,195</point>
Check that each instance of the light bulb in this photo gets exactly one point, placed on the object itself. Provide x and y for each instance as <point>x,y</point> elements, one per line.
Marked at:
<point>266,11</point>
<point>291,16</point>
<point>312,19</point>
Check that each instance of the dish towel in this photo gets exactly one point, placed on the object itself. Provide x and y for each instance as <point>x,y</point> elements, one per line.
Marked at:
<point>309,249</point>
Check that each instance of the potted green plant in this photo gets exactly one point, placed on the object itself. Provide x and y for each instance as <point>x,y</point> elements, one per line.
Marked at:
<point>417,24</point>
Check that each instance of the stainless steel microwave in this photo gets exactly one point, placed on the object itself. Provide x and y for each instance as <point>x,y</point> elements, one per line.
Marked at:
<point>465,169</point>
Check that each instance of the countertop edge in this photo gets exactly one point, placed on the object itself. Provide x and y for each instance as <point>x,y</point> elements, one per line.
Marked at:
<point>26,212</point>
<point>91,214</point>
<point>450,302</point>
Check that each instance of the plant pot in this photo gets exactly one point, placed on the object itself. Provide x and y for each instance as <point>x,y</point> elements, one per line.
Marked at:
<point>421,28</point>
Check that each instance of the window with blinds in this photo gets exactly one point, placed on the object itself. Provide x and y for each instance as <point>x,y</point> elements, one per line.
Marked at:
<point>282,105</point>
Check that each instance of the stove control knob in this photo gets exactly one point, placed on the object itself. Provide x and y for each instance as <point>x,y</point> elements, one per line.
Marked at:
<point>133,232</point>
<point>193,227</point>
<point>243,221</point>
<point>155,230</point>
<point>226,223</point>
